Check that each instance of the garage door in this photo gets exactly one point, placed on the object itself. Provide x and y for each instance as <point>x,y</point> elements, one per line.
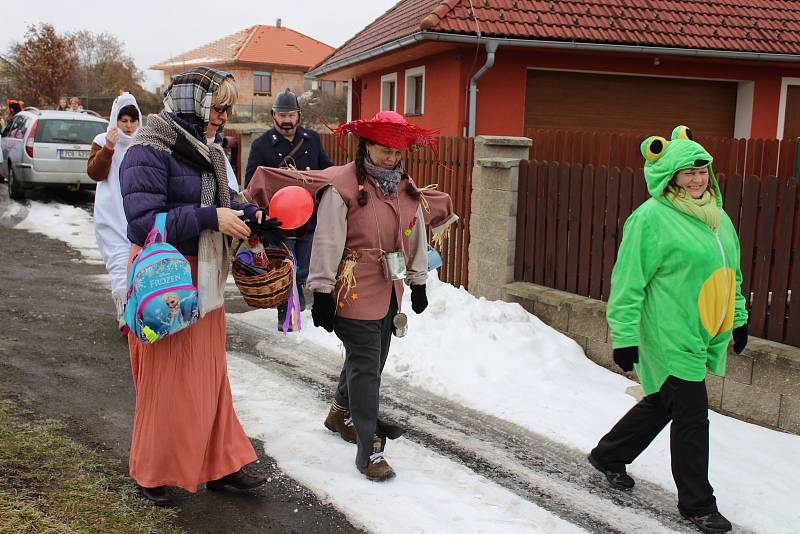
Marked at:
<point>635,104</point>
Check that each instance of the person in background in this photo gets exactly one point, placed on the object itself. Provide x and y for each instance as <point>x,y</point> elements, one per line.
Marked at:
<point>62,104</point>
<point>289,144</point>
<point>75,104</point>
<point>12,108</point>
<point>110,224</point>
<point>675,303</point>
<point>185,429</point>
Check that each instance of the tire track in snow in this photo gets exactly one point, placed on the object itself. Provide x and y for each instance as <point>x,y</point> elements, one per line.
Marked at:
<point>552,475</point>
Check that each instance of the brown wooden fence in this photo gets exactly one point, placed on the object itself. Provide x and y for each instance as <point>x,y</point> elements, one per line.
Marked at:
<point>745,157</point>
<point>452,171</point>
<point>569,225</point>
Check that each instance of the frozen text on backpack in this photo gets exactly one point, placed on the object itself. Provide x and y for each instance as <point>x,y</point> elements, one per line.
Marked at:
<point>161,297</point>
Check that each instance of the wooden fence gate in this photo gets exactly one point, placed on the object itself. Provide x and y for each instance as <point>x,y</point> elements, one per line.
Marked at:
<point>569,226</point>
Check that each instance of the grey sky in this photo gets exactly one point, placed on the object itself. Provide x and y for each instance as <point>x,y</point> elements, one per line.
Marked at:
<point>154,30</point>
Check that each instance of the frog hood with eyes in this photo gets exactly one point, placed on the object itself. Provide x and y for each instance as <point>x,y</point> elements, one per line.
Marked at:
<point>664,158</point>
<point>676,284</point>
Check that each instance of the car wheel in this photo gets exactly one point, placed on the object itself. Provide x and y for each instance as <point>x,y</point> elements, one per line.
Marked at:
<point>15,189</point>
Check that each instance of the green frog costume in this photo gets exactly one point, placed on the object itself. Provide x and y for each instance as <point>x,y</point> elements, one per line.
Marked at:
<point>676,285</point>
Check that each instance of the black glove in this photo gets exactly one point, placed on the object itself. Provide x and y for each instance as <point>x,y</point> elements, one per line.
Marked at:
<point>322,310</point>
<point>268,230</point>
<point>626,357</point>
<point>419,300</point>
<point>739,339</point>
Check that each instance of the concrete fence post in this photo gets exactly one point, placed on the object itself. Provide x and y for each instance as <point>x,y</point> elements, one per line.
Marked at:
<point>493,220</point>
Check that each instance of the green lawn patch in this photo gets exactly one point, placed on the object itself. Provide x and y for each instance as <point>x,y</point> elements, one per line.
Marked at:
<point>49,483</point>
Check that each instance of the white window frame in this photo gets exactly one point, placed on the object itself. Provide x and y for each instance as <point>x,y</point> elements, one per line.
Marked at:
<point>348,88</point>
<point>384,79</point>
<point>410,75</point>
<point>743,119</point>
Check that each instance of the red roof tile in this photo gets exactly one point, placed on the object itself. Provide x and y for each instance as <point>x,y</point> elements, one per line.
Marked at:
<point>256,44</point>
<point>759,26</point>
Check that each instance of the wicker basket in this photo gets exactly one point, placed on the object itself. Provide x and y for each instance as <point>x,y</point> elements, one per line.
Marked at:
<point>270,289</point>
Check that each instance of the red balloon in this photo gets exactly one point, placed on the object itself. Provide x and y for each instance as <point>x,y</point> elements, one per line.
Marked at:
<point>292,206</point>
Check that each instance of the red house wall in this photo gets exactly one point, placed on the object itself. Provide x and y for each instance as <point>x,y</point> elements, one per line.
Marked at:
<point>505,83</point>
<point>766,99</point>
<point>501,91</point>
<point>444,93</point>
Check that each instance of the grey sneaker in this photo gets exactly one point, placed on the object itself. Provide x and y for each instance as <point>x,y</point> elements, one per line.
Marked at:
<point>713,522</point>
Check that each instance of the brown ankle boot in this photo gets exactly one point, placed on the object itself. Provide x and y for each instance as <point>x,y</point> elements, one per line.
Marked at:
<point>339,420</point>
<point>240,480</point>
<point>157,495</point>
<point>377,469</point>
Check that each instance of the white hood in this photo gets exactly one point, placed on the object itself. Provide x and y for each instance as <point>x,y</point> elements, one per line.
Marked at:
<point>125,99</point>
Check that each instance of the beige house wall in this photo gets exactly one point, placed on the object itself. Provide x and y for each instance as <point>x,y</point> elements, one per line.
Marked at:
<point>282,78</point>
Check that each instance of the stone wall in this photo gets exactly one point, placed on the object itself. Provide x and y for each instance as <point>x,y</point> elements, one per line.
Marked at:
<point>493,221</point>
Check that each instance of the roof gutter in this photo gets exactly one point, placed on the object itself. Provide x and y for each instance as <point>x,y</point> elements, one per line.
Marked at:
<point>491,48</point>
<point>559,45</point>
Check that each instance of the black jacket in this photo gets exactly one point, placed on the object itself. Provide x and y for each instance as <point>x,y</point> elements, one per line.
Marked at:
<point>271,147</point>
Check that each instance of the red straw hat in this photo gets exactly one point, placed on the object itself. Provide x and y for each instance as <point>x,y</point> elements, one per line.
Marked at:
<point>390,129</point>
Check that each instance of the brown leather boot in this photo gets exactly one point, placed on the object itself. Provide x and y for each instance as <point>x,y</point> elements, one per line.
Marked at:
<point>377,469</point>
<point>240,480</point>
<point>158,495</point>
<point>339,420</point>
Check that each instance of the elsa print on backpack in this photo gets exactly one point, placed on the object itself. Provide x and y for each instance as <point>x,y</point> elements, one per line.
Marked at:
<point>161,297</point>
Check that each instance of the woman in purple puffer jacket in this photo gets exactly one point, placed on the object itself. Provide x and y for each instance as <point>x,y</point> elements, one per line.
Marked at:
<point>185,429</point>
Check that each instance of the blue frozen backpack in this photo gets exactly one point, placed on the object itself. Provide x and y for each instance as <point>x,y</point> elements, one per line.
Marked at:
<point>161,297</point>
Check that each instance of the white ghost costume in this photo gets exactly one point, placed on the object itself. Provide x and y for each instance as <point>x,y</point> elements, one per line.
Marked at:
<point>110,224</point>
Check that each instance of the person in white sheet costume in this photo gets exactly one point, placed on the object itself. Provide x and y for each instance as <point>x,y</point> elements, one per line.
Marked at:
<point>110,224</point>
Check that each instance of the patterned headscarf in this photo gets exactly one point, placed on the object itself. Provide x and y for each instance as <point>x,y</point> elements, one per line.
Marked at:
<point>190,94</point>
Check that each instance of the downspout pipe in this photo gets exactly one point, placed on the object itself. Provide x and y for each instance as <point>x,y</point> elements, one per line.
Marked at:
<point>491,48</point>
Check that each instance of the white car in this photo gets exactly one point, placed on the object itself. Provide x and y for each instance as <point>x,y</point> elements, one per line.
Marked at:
<point>48,148</point>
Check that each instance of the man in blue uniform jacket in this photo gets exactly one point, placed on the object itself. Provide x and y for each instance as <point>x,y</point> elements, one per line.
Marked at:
<point>288,143</point>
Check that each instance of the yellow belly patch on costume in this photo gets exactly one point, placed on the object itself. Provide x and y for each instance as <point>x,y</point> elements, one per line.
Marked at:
<point>716,301</point>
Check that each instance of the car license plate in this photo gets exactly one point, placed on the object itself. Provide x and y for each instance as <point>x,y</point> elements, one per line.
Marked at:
<point>74,154</point>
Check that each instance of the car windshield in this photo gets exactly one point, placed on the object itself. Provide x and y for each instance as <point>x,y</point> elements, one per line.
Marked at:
<point>68,131</point>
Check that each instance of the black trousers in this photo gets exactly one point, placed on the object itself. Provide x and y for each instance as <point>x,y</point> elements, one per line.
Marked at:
<point>684,403</point>
<point>366,345</point>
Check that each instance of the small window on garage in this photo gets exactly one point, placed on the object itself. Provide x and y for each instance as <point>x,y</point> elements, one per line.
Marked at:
<point>415,91</point>
<point>389,92</point>
<point>262,83</point>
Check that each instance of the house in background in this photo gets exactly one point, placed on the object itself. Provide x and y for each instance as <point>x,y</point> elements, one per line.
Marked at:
<point>265,60</point>
<point>501,67</point>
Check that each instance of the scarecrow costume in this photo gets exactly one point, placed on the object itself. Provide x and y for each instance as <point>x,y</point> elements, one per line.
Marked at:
<point>355,294</point>
<point>675,300</point>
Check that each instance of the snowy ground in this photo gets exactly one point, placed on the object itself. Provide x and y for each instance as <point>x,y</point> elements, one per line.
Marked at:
<point>496,358</point>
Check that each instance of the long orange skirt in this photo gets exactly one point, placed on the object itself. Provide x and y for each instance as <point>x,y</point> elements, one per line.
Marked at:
<point>185,431</point>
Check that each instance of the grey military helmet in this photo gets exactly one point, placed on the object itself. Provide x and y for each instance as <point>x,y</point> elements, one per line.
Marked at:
<point>286,102</point>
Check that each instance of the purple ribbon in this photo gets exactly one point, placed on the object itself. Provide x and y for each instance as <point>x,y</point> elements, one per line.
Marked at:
<point>293,304</point>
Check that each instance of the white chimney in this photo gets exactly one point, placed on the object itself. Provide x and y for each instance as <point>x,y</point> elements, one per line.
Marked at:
<point>278,23</point>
